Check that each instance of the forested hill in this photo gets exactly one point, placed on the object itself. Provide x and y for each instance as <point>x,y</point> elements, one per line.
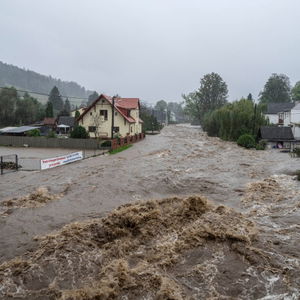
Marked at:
<point>31,81</point>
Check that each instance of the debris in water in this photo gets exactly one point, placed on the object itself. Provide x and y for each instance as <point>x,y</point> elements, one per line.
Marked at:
<point>162,249</point>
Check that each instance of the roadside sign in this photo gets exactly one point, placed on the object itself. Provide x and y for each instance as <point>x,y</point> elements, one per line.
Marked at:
<point>49,163</point>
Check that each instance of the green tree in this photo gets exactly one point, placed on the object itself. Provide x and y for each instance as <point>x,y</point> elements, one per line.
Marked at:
<point>249,97</point>
<point>234,119</point>
<point>92,97</point>
<point>161,105</point>
<point>28,110</point>
<point>56,100</point>
<point>67,106</point>
<point>277,89</point>
<point>79,132</point>
<point>212,94</point>
<point>49,110</point>
<point>150,121</point>
<point>8,100</point>
<point>296,92</point>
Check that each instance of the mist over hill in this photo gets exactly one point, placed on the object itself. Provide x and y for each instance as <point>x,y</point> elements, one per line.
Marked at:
<point>34,82</point>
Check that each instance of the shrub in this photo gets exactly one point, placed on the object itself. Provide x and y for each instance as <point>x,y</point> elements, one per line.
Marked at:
<point>51,134</point>
<point>261,145</point>
<point>106,144</point>
<point>33,132</point>
<point>246,140</point>
<point>79,132</point>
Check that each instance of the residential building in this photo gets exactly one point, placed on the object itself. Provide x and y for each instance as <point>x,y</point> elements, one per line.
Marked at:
<point>107,116</point>
<point>276,112</point>
<point>277,136</point>
<point>65,124</point>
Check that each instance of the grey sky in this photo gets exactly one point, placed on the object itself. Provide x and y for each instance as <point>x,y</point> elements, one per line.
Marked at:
<point>153,49</point>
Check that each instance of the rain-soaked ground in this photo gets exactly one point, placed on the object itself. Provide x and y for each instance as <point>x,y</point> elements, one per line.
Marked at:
<point>237,237</point>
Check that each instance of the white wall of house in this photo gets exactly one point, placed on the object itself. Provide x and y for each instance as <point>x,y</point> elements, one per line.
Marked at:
<point>273,118</point>
<point>125,128</point>
<point>286,118</point>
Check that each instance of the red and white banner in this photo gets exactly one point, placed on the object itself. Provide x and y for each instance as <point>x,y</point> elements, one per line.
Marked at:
<point>60,160</point>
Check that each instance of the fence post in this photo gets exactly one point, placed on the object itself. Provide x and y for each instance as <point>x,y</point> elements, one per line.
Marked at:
<point>1,164</point>
<point>17,163</point>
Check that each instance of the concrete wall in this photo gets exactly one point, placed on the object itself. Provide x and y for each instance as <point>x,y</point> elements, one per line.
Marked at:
<point>43,142</point>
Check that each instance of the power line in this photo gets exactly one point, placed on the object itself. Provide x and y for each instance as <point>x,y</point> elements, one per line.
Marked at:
<point>43,94</point>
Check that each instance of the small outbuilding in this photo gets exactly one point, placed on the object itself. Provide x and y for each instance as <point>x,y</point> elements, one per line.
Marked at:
<point>277,136</point>
<point>65,124</point>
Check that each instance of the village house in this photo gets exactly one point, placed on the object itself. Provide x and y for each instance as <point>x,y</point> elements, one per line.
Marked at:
<point>276,111</point>
<point>277,136</point>
<point>108,116</point>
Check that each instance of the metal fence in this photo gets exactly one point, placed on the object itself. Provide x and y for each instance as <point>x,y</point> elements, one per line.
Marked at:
<point>9,163</point>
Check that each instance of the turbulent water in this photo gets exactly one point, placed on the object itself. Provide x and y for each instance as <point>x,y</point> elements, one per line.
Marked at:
<point>237,237</point>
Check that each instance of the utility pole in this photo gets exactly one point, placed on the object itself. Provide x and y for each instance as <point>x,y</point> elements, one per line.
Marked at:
<point>113,117</point>
<point>254,120</point>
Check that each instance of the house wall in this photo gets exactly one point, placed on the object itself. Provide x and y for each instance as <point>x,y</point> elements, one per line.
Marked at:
<point>287,118</point>
<point>273,118</point>
<point>295,116</point>
<point>125,128</point>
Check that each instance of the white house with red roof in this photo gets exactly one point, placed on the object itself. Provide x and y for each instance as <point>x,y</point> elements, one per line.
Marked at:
<point>108,116</point>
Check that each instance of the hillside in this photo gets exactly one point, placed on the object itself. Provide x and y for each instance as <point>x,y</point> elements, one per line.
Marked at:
<point>34,82</point>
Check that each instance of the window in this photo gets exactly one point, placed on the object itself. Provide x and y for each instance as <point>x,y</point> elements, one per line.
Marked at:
<point>92,128</point>
<point>116,129</point>
<point>103,112</point>
<point>91,113</point>
<point>130,128</point>
<point>116,113</point>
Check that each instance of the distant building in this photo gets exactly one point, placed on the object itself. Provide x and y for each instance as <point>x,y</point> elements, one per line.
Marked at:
<point>275,112</point>
<point>98,119</point>
<point>65,124</point>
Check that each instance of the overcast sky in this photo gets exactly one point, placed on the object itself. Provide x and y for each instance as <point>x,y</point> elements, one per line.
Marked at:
<point>153,49</point>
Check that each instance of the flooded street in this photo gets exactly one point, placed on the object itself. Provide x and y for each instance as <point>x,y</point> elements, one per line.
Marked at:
<point>215,221</point>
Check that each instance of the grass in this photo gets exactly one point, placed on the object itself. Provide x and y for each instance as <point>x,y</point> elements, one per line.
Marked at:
<point>120,149</point>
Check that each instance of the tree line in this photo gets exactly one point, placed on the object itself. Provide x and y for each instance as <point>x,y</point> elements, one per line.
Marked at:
<point>209,107</point>
<point>16,110</point>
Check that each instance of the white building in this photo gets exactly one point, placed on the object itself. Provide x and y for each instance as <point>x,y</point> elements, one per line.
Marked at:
<point>275,112</point>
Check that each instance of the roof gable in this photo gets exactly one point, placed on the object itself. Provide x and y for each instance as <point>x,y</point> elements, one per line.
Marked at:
<point>120,104</point>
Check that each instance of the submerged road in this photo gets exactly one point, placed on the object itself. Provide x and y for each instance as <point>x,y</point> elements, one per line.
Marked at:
<point>180,161</point>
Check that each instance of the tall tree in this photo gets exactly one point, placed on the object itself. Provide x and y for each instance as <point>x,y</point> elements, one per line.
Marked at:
<point>49,110</point>
<point>277,89</point>
<point>8,100</point>
<point>249,97</point>
<point>212,94</point>
<point>296,92</point>
<point>92,98</point>
<point>161,105</point>
<point>28,110</point>
<point>56,100</point>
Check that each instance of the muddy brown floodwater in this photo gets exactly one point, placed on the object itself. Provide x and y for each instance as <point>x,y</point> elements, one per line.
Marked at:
<point>178,216</point>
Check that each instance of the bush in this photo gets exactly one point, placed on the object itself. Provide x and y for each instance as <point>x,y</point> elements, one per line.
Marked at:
<point>106,144</point>
<point>246,140</point>
<point>79,132</point>
<point>261,145</point>
<point>33,132</point>
<point>51,134</point>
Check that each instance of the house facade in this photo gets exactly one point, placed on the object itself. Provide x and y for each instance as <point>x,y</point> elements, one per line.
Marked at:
<point>276,112</point>
<point>108,116</point>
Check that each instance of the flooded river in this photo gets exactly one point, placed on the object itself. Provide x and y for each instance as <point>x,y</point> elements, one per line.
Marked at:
<point>178,216</point>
